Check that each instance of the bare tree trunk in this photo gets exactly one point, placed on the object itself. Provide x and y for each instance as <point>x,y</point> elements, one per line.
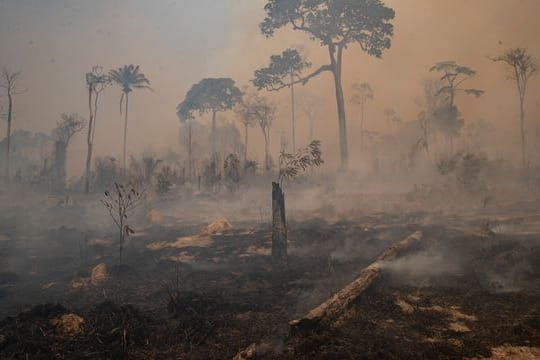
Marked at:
<point>8,136</point>
<point>340,100</point>
<point>60,150</point>
<point>121,235</point>
<point>190,150</point>
<point>213,140</point>
<point>279,228</point>
<point>362,127</point>
<point>125,135</point>
<point>293,116</point>
<point>245,144</point>
<point>89,143</point>
<point>522,128</point>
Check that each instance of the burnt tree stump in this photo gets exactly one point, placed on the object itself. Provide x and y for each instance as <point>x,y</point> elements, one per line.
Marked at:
<point>279,228</point>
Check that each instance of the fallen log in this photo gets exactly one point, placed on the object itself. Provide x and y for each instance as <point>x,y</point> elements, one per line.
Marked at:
<point>330,310</point>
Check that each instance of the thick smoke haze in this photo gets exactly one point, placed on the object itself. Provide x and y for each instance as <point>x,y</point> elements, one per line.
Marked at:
<point>176,43</point>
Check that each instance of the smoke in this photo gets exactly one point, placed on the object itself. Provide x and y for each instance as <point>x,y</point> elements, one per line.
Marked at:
<point>177,43</point>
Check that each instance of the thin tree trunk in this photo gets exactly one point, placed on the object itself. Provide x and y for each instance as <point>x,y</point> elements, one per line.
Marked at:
<point>245,144</point>
<point>362,127</point>
<point>9,120</point>
<point>213,140</point>
<point>121,247</point>
<point>190,150</point>
<point>60,165</point>
<point>340,100</point>
<point>266,158</point>
<point>279,228</point>
<point>125,134</point>
<point>293,116</point>
<point>522,128</point>
<point>89,143</point>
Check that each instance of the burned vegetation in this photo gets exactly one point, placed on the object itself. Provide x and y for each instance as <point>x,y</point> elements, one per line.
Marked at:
<point>301,212</point>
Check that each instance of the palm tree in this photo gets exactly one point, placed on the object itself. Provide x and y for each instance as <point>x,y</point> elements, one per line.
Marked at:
<point>128,78</point>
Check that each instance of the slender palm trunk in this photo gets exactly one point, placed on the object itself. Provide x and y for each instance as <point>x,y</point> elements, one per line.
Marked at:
<point>293,115</point>
<point>125,134</point>
<point>8,136</point>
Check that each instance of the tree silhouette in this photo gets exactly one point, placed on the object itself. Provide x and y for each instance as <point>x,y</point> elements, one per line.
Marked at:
<point>453,76</point>
<point>10,83</point>
<point>247,119</point>
<point>96,82</point>
<point>284,70</point>
<point>335,24</point>
<point>64,131</point>
<point>128,78</point>
<point>522,66</point>
<point>210,95</point>
<point>362,93</point>
<point>263,111</point>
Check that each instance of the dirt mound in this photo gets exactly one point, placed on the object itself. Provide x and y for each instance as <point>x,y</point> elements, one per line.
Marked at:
<point>154,217</point>
<point>30,333</point>
<point>106,331</point>
<point>218,226</point>
<point>99,274</point>
<point>68,324</point>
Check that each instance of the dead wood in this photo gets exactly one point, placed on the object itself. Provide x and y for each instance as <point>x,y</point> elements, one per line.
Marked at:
<point>330,310</point>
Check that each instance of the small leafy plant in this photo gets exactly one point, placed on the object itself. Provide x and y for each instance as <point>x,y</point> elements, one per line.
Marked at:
<point>291,165</point>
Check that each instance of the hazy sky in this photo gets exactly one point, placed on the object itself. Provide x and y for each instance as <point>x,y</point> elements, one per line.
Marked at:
<point>176,43</point>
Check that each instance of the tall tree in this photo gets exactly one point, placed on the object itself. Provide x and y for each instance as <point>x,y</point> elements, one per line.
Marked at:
<point>362,93</point>
<point>247,119</point>
<point>453,76</point>
<point>128,78</point>
<point>96,82</point>
<point>186,117</point>
<point>64,131</point>
<point>284,71</point>
<point>522,66</point>
<point>263,111</point>
<point>335,24</point>
<point>10,83</point>
<point>310,106</point>
<point>210,95</point>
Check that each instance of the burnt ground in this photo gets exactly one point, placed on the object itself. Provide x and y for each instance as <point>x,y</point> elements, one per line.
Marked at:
<point>465,291</point>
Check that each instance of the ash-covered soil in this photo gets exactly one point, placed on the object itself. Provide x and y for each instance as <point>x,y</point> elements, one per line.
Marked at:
<point>469,289</point>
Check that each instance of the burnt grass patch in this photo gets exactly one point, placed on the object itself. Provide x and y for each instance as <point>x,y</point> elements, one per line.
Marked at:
<point>225,296</point>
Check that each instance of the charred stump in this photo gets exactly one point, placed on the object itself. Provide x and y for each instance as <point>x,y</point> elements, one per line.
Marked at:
<point>279,228</point>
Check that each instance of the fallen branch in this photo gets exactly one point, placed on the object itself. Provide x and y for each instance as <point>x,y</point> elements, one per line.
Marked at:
<point>330,310</point>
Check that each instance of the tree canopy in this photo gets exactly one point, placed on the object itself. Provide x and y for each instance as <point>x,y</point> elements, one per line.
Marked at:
<point>212,94</point>
<point>283,71</point>
<point>128,78</point>
<point>334,22</point>
<point>453,76</point>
